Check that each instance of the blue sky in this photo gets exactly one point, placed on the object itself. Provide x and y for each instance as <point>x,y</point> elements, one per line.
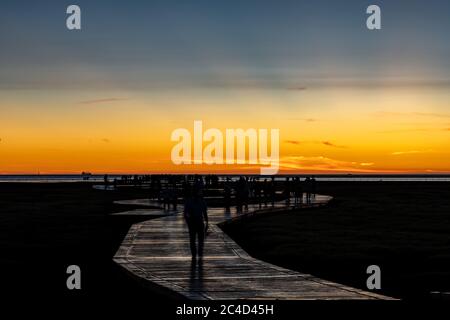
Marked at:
<point>144,45</point>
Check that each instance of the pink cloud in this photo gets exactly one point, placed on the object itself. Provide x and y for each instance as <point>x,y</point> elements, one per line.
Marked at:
<point>96,101</point>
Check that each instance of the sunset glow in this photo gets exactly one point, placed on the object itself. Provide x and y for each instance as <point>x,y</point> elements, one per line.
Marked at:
<point>341,107</point>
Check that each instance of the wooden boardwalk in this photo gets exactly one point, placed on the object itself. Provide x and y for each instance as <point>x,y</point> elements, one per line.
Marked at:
<point>157,250</point>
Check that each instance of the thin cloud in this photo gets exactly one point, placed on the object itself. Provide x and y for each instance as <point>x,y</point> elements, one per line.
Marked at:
<point>410,130</point>
<point>415,130</point>
<point>330,144</point>
<point>398,153</point>
<point>295,142</point>
<point>408,114</point>
<point>104,100</point>
<point>325,143</point>
<point>297,88</point>
<point>321,163</point>
<point>106,140</point>
<point>429,114</point>
<point>305,119</point>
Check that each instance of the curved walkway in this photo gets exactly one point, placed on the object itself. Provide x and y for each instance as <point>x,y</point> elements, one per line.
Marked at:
<point>157,250</point>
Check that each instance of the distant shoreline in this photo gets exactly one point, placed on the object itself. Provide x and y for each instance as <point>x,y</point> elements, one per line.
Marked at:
<point>69,178</point>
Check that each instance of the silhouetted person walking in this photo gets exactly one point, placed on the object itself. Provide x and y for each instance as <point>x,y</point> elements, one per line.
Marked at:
<point>196,215</point>
<point>227,194</point>
<point>313,187</point>
<point>287,190</point>
<point>308,189</point>
<point>298,192</point>
<point>266,190</point>
<point>241,193</point>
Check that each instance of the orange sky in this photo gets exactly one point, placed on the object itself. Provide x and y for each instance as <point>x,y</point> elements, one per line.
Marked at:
<point>322,130</point>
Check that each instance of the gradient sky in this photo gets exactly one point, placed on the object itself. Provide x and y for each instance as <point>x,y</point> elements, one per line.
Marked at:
<point>106,98</point>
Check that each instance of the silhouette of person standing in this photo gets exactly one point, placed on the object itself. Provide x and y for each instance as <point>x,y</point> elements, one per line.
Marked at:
<point>287,190</point>
<point>196,216</point>
<point>298,192</point>
<point>308,189</point>
<point>241,191</point>
<point>227,194</point>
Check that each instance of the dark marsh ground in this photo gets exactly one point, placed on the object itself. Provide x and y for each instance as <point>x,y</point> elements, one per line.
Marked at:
<point>402,227</point>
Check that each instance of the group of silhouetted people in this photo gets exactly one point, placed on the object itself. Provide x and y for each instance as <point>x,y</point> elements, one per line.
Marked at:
<point>298,190</point>
<point>170,190</point>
